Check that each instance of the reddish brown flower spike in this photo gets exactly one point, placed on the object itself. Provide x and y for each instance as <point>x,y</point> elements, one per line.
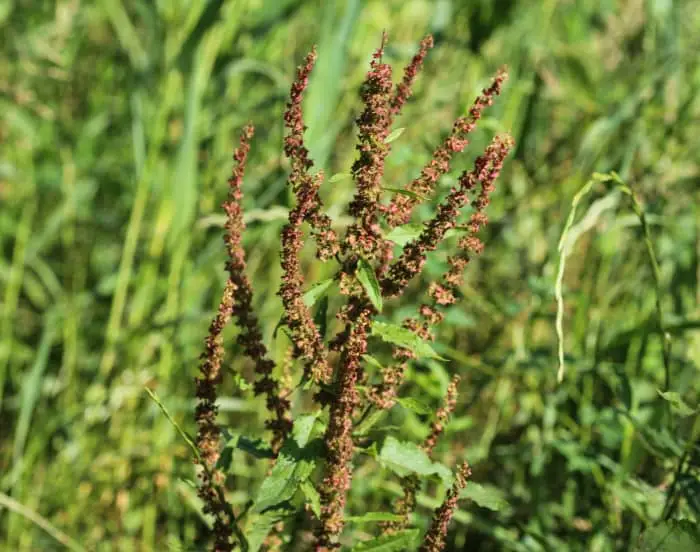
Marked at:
<point>435,537</point>
<point>448,406</point>
<point>399,210</point>
<point>486,169</point>
<point>404,88</point>
<point>364,236</point>
<point>308,344</point>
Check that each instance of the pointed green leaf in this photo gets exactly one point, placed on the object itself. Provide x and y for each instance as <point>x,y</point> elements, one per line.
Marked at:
<point>368,278</point>
<point>261,524</point>
<point>394,135</point>
<point>670,536</point>
<point>255,447</point>
<point>294,465</point>
<point>402,235</point>
<point>484,496</point>
<point>369,359</point>
<point>414,405</point>
<point>369,422</point>
<point>406,458</point>
<point>321,316</point>
<point>312,497</point>
<point>403,191</point>
<point>282,483</point>
<point>317,291</point>
<point>677,404</point>
<point>403,337</point>
<point>303,426</point>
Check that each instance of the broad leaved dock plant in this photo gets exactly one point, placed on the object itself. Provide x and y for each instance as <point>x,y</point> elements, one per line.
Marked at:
<point>312,458</point>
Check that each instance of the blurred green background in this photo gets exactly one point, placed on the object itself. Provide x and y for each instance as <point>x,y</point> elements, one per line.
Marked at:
<point>117,123</point>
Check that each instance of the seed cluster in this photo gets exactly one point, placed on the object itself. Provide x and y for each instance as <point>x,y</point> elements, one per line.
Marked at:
<point>335,366</point>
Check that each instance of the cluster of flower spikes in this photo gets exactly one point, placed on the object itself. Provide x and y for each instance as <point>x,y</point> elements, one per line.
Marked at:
<point>363,241</point>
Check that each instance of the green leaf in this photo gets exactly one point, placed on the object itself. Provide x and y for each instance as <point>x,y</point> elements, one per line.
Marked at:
<point>369,359</point>
<point>689,487</point>
<point>280,486</point>
<point>255,447</point>
<point>303,426</point>
<point>260,526</point>
<point>367,277</point>
<point>317,291</point>
<point>402,235</point>
<point>312,497</point>
<point>406,458</point>
<point>670,536</point>
<point>294,465</point>
<point>370,517</point>
<point>678,406</point>
<point>225,460</point>
<point>661,442</point>
<point>398,542</point>
<point>340,176</point>
<point>403,337</point>
<point>369,422</point>
<point>394,135</point>
<point>484,496</point>
<point>321,316</point>
<point>414,405</point>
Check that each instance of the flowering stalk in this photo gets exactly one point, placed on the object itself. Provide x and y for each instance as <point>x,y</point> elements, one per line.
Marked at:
<point>412,259</point>
<point>305,335</point>
<point>211,480</point>
<point>250,337</point>
<point>443,413</point>
<point>236,299</point>
<point>338,438</point>
<point>404,89</point>
<point>364,236</point>
<point>399,210</point>
<point>435,538</point>
<point>410,484</point>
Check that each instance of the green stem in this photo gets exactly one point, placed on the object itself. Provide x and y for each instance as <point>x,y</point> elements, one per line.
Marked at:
<point>656,272</point>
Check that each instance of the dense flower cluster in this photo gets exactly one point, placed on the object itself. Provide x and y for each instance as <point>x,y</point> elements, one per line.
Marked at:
<point>404,89</point>
<point>364,236</point>
<point>208,433</point>
<point>435,538</point>
<point>486,170</point>
<point>339,443</point>
<point>250,337</point>
<point>438,425</point>
<point>399,210</point>
<point>335,367</point>
<point>236,298</point>
<point>307,340</point>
